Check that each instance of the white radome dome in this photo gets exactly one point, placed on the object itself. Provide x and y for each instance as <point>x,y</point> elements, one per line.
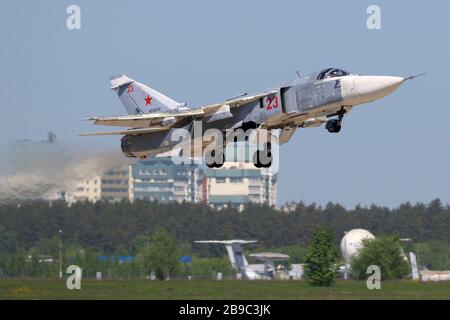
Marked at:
<point>352,242</point>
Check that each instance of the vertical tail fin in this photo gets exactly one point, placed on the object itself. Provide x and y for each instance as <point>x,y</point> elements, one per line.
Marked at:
<point>234,250</point>
<point>414,269</point>
<point>236,256</point>
<point>139,99</point>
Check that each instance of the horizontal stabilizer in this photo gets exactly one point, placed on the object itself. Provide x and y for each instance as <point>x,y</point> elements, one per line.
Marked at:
<point>123,132</point>
<point>145,120</point>
<point>227,241</point>
<point>269,256</point>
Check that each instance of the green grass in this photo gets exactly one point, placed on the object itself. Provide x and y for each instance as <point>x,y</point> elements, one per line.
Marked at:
<point>204,289</point>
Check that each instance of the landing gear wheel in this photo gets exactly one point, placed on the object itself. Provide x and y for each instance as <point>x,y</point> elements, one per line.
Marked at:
<point>213,163</point>
<point>263,158</point>
<point>333,126</point>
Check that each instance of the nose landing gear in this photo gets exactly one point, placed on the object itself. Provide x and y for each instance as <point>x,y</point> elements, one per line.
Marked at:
<point>334,125</point>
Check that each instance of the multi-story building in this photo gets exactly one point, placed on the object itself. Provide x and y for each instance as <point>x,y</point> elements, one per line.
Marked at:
<point>117,184</point>
<point>158,179</point>
<point>86,190</point>
<point>237,183</point>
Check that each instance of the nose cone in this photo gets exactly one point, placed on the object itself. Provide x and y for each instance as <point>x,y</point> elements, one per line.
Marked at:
<point>376,87</point>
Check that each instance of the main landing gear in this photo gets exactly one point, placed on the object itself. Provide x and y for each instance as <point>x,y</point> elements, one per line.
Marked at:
<point>216,160</point>
<point>263,158</point>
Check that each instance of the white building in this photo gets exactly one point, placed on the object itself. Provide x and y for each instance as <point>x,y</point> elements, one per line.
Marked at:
<point>238,183</point>
<point>158,179</point>
<point>86,190</point>
<point>117,184</point>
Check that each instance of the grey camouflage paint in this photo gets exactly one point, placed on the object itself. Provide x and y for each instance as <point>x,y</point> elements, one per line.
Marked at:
<point>299,96</point>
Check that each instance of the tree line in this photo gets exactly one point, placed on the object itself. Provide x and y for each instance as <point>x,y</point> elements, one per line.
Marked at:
<point>106,227</point>
<point>29,232</point>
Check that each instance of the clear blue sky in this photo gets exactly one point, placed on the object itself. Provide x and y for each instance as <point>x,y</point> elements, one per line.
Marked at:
<point>388,152</point>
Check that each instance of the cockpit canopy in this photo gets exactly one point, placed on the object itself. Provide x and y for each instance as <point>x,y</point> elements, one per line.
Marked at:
<point>331,73</point>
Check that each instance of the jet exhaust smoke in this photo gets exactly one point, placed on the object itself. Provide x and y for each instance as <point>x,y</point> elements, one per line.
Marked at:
<point>38,170</point>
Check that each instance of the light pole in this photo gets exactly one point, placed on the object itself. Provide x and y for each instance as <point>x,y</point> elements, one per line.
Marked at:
<point>60,254</point>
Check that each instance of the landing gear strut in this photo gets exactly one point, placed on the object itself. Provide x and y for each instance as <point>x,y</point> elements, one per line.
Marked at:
<point>334,125</point>
<point>215,161</point>
<point>263,158</point>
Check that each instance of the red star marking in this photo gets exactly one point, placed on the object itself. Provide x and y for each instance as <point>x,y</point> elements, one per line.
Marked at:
<point>130,89</point>
<point>148,100</point>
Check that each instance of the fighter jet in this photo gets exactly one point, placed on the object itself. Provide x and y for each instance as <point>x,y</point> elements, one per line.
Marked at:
<point>323,97</point>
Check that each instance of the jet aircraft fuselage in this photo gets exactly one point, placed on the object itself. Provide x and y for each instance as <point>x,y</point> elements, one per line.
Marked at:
<point>320,98</point>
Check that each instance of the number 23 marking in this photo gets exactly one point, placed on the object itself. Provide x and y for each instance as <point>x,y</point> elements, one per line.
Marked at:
<point>271,103</point>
